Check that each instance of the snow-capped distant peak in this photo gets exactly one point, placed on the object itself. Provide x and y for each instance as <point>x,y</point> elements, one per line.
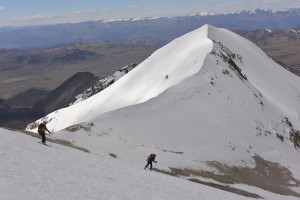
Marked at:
<point>203,14</point>
<point>269,30</point>
<point>294,31</point>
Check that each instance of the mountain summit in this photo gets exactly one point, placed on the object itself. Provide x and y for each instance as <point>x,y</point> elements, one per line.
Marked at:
<point>216,54</point>
<point>167,67</point>
<point>208,100</point>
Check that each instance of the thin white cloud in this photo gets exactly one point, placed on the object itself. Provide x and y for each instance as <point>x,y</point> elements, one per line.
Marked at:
<point>77,16</point>
<point>173,8</point>
<point>36,17</point>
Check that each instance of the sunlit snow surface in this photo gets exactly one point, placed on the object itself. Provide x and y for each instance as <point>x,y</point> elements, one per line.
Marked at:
<point>166,67</point>
<point>32,171</point>
<point>189,106</point>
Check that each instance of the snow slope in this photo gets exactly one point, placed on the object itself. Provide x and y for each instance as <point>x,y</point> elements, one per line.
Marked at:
<point>178,60</point>
<point>142,83</point>
<point>32,171</point>
<point>209,95</point>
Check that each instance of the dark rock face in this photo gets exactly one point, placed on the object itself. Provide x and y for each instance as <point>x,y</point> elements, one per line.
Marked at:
<point>31,105</point>
<point>26,99</point>
<point>17,118</point>
<point>66,92</point>
<point>3,104</point>
<point>103,83</point>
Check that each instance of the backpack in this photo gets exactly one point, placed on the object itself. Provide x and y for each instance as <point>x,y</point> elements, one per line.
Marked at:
<point>151,157</point>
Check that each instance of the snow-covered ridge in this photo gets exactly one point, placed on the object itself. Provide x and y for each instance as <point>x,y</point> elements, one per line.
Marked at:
<point>261,76</point>
<point>209,100</point>
<point>166,67</point>
<point>295,31</point>
<point>203,14</point>
<point>170,65</point>
<point>102,84</point>
<point>269,30</point>
<point>240,104</point>
<point>125,19</point>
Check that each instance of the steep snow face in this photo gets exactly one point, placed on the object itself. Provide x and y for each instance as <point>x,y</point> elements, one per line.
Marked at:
<point>166,67</point>
<point>274,82</point>
<point>234,108</point>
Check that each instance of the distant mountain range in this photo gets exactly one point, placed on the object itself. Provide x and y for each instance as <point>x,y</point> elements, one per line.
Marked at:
<point>142,31</point>
<point>47,68</point>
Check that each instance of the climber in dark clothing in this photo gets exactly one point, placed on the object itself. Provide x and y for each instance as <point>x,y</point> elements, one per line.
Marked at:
<point>150,159</point>
<point>42,128</point>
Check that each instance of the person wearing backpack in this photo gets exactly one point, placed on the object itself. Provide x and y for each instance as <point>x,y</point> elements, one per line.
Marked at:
<point>42,128</point>
<point>150,159</point>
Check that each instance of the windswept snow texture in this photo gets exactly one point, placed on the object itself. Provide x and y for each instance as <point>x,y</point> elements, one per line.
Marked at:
<point>209,95</point>
<point>32,171</point>
<point>167,67</point>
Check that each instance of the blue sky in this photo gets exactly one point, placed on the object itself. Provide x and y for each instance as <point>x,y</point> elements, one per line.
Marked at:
<point>33,12</point>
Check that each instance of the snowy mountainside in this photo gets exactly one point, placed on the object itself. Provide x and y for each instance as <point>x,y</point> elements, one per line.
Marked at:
<point>149,79</point>
<point>208,101</point>
<point>62,173</point>
<point>103,83</point>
